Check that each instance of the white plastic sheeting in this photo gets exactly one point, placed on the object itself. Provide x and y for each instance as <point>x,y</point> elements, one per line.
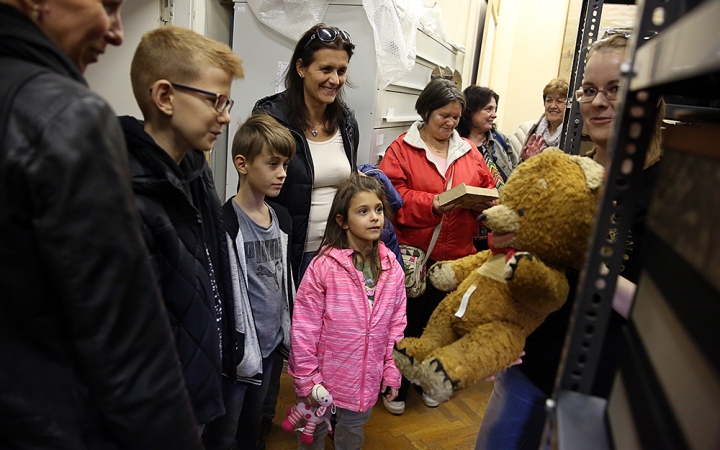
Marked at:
<point>394,24</point>
<point>291,18</point>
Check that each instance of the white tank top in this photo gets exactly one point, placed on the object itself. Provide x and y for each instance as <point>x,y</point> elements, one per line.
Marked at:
<point>331,169</point>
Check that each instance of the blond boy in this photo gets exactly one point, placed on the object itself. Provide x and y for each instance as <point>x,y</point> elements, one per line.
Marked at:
<point>181,81</point>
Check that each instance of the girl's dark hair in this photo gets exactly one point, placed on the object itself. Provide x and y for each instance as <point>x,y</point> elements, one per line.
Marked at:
<point>438,93</point>
<point>295,97</point>
<point>335,236</point>
<point>477,98</point>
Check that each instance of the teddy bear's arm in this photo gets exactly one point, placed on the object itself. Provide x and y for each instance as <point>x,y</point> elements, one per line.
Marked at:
<point>535,284</point>
<point>485,351</point>
<point>447,275</point>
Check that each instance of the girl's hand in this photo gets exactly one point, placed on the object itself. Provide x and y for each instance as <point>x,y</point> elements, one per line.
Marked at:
<point>437,209</point>
<point>309,400</point>
<point>390,392</point>
<point>535,146</point>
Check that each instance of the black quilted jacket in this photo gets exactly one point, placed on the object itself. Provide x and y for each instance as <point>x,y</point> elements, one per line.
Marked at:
<point>181,213</point>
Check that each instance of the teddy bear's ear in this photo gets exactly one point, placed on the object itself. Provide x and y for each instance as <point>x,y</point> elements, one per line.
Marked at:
<point>594,172</point>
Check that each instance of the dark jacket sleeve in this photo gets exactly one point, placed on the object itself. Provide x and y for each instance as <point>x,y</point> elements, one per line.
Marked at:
<point>89,235</point>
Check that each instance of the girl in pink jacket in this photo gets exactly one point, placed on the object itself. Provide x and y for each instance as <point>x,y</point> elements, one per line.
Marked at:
<point>349,312</point>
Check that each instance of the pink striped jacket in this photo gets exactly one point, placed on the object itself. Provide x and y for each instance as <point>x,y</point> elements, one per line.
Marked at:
<point>336,340</point>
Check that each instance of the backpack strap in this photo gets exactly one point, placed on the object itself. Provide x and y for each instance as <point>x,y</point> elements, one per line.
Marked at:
<point>499,137</point>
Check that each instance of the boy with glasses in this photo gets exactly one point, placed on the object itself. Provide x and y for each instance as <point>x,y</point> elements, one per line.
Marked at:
<point>181,81</point>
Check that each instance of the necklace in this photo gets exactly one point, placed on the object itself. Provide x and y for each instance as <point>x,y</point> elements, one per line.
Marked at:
<point>314,128</point>
<point>441,153</point>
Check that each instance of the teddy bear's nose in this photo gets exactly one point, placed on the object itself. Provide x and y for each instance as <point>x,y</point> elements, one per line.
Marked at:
<point>481,218</point>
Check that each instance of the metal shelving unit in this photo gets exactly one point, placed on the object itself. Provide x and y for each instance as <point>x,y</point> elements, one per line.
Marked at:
<point>667,390</point>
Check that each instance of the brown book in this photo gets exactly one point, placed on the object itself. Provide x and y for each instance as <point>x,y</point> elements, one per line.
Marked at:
<point>467,195</point>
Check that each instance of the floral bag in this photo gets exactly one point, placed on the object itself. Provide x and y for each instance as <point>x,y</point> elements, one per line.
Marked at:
<point>414,260</point>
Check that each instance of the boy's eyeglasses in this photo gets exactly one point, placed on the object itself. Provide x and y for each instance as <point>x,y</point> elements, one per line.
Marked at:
<point>588,94</point>
<point>328,35</point>
<point>222,102</point>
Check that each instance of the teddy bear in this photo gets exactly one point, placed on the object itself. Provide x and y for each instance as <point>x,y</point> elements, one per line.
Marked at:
<point>312,415</point>
<point>540,227</point>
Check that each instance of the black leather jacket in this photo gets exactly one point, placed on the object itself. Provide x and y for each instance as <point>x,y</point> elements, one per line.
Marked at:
<point>86,355</point>
<point>296,194</point>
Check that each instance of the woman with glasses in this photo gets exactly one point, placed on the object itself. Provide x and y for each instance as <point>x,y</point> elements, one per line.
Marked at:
<point>531,138</point>
<point>325,131</point>
<point>515,415</point>
<point>422,163</point>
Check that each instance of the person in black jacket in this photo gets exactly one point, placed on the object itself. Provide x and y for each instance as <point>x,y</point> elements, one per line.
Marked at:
<point>181,81</point>
<point>86,355</point>
<point>325,132</point>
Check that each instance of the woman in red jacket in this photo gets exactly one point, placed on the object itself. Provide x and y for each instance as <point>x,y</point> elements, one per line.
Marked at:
<point>428,159</point>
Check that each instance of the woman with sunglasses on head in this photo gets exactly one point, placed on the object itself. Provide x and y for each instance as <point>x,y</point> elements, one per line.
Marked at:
<point>325,131</point>
<point>87,359</point>
<point>515,415</point>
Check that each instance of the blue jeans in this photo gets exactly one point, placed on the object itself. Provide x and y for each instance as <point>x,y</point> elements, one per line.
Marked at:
<point>243,406</point>
<point>515,414</point>
<point>348,432</point>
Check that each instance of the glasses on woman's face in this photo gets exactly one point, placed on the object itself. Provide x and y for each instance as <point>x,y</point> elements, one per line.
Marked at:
<point>588,94</point>
<point>328,35</point>
<point>222,102</point>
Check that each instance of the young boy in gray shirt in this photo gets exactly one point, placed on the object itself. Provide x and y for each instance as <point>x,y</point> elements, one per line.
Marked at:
<point>262,279</point>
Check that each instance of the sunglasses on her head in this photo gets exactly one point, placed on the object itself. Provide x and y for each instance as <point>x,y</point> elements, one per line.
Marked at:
<point>328,35</point>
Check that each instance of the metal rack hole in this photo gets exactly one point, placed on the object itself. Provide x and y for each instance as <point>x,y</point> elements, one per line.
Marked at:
<point>603,269</point>
<point>589,331</point>
<point>637,111</point>
<point>627,166</point>
<point>658,16</point>
<point>600,284</point>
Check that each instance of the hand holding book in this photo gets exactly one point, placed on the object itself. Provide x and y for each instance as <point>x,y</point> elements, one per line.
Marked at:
<point>470,197</point>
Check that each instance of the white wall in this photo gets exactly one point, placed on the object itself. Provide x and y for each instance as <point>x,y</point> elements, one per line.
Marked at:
<point>461,22</point>
<point>110,77</point>
<point>527,50</point>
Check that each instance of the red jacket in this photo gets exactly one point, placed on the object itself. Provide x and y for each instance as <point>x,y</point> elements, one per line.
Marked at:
<point>418,180</point>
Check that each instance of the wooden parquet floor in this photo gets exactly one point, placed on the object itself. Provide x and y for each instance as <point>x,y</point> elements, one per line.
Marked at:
<point>451,426</point>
